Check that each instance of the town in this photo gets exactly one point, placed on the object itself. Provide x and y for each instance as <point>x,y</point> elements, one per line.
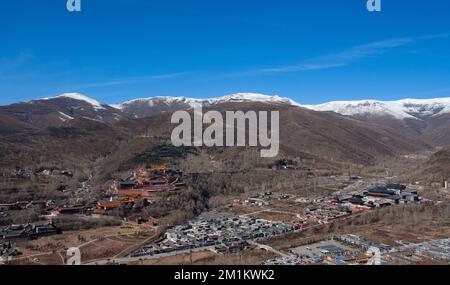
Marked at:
<point>221,231</point>
<point>244,226</point>
<point>225,233</point>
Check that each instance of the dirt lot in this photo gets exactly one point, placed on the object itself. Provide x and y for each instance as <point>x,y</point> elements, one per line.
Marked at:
<point>93,244</point>
<point>278,210</point>
<point>249,257</point>
<point>181,259</point>
<point>276,216</point>
<point>390,234</point>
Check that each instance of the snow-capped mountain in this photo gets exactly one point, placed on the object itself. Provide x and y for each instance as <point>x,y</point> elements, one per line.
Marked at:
<point>426,119</point>
<point>401,109</point>
<point>251,97</point>
<point>79,97</point>
<point>55,111</point>
<point>145,107</point>
<point>73,105</point>
<point>415,114</point>
<point>192,102</point>
<point>58,110</point>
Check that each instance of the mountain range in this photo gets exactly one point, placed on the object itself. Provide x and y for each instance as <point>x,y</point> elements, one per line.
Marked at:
<point>72,105</point>
<point>425,119</point>
<point>401,109</point>
<point>82,133</point>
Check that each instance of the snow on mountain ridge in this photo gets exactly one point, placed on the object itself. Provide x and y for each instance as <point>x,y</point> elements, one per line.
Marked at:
<point>400,109</point>
<point>254,97</point>
<point>193,102</point>
<point>151,101</point>
<point>80,97</point>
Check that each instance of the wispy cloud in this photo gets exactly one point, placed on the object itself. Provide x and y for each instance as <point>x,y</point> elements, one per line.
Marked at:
<point>341,59</point>
<point>132,80</point>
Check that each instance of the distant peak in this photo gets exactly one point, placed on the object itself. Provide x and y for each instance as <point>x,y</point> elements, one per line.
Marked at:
<point>79,97</point>
<point>400,109</point>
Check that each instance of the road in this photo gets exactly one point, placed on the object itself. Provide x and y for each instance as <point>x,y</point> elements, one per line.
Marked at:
<point>126,260</point>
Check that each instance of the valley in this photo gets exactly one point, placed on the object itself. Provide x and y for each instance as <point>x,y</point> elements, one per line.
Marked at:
<point>77,168</point>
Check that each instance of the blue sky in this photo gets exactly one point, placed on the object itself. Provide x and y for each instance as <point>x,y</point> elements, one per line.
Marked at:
<point>312,51</point>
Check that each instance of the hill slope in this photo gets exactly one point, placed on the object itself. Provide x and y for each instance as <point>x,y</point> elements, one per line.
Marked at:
<point>426,119</point>
<point>54,111</point>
